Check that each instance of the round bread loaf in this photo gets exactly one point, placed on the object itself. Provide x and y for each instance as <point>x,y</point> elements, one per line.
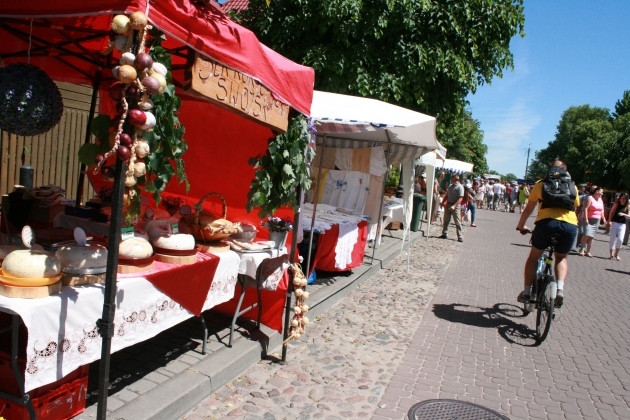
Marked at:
<point>180,241</point>
<point>135,248</point>
<point>88,256</point>
<point>31,264</point>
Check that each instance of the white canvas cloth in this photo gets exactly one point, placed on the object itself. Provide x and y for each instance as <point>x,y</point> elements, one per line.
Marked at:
<point>346,189</point>
<point>61,328</point>
<point>348,237</point>
<point>378,162</point>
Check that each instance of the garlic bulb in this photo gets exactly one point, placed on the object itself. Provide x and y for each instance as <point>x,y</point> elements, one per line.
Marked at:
<point>142,149</point>
<point>130,181</point>
<point>145,104</point>
<point>139,169</point>
<point>297,310</point>
<point>294,323</point>
<point>305,320</point>
<point>304,308</point>
<point>298,293</point>
<point>305,295</point>
<point>159,68</point>
<point>127,58</point>
<point>120,43</point>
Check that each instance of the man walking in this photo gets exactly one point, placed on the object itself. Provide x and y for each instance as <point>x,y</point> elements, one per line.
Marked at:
<point>452,207</point>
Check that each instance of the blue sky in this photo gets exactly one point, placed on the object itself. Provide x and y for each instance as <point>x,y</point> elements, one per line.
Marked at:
<point>574,52</point>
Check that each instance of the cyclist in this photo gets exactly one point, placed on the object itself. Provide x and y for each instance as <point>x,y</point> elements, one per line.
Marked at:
<point>556,216</point>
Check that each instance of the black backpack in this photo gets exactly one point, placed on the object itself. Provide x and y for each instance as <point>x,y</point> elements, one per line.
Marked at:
<point>558,190</point>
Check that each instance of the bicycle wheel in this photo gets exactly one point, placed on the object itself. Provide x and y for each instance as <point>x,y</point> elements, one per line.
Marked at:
<point>545,311</point>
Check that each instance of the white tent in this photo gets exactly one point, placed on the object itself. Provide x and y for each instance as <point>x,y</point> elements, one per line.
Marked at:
<point>344,121</point>
<point>457,166</point>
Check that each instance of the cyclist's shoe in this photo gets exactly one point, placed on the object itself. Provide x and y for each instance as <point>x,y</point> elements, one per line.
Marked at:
<point>559,298</point>
<point>522,298</point>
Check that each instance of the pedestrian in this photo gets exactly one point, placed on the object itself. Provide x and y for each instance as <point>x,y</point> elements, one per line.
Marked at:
<point>592,215</point>
<point>471,202</point>
<point>583,193</point>
<point>490,195</point>
<point>436,195</point>
<point>617,217</point>
<point>523,196</point>
<point>452,207</point>
<point>480,193</point>
<point>513,196</point>
<point>497,190</point>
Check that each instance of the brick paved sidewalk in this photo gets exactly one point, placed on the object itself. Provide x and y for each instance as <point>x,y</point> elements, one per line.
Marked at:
<point>474,344</point>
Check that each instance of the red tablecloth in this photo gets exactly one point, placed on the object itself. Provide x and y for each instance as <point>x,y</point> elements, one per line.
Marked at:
<point>187,285</point>
<point>272,304</point>
<point>324,258</point>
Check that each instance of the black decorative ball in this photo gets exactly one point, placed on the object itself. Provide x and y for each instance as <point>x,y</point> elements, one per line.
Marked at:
<point>30,102</point>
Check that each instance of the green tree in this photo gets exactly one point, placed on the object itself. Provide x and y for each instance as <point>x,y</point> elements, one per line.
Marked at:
<point>422,55</point>
<point>463,140</point>
<point>584,132</point>
<point>622,106</point>
<point>509,177</point>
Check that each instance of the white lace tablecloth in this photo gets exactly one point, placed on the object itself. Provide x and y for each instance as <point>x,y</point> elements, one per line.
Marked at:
<point>392,212</point>
<point>61,328</point>
<point>251,260</point>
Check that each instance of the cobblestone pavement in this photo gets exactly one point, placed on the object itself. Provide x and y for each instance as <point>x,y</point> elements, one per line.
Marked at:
<point>474,344</point>
<point>450,328</point>
<point>342,366</point>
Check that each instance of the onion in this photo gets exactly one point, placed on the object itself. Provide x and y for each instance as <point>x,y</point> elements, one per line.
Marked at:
<point>160,79</point>
<point>123,153</point>
<point>115,71</point>
<point>125,140</point>
<point>120,108</point>
<point>99,158</point>
<point>150,121</point>
<point>120,43</point>
<point>139,169</point>
<point>120,24</point>
<point>145,104</point>
<point>116,91</point>
<point>108,172</point>
<point>137,118</point>
<point>143,61</point>
<point>159,68</point>
<point>138,20</point>
<point>142,149</point>
<point>127,74</point>
<point>134,93</point>
<point>151,85</point>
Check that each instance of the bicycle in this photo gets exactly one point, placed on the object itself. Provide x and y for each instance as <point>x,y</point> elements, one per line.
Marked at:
<point>543,293</point>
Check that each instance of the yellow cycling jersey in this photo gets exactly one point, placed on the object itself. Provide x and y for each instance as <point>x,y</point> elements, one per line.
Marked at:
<point>562,215</point>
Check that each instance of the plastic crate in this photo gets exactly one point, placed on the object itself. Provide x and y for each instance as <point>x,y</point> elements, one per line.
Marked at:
<point>61,403</point>
<point>9,385</point>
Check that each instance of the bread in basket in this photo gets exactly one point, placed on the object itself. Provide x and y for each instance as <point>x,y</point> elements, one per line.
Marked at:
<point>205,226</point>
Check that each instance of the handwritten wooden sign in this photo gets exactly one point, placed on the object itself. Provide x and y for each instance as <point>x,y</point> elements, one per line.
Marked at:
<point>235,91</point>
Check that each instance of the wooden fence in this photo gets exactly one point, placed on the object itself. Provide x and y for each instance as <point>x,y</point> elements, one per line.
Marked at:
<point>53,155</point>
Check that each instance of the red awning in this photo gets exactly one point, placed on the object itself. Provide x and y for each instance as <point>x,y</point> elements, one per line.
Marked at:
<point>80,30</point>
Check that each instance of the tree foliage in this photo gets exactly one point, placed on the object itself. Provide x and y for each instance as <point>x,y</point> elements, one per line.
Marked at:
<point>463,140</point>
<point>425,55</point>
<point>594,144</point>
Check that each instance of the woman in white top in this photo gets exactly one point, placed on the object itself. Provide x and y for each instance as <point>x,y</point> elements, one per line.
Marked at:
<point>481,191</point>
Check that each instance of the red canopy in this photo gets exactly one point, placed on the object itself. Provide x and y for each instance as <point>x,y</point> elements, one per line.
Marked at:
<point>203,28</point>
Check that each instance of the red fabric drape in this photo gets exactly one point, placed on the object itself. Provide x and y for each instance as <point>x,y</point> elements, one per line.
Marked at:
<point>325,256</point>
<point>204,28</point>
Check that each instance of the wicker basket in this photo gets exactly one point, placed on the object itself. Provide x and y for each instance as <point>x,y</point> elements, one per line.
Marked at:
<point>210,228</point>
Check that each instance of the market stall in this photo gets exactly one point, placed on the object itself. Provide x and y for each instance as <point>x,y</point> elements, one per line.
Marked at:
<point>365,136</point>
<point>66,40</point>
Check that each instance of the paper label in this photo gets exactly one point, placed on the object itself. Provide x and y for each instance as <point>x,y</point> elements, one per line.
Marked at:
<point>175,229</point>
<point>126,233</point>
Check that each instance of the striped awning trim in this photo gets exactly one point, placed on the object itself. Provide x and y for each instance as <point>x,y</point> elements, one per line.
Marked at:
<point>337,125</point>
<point>396,153</point>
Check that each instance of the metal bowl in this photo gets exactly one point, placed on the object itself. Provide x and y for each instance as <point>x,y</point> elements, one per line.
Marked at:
<point>247,234</point>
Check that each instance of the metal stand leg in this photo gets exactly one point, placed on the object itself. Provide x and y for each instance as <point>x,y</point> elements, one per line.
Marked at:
<point>205,334</point>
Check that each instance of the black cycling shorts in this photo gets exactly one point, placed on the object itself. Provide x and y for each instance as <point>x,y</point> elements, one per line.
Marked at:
<point>566,232</point>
